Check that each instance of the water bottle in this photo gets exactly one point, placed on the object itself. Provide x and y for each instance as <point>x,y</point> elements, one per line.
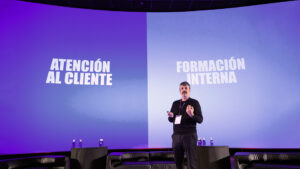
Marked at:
<point>80,143</point>
<point>211,141</point>
<point>199,142</point>
<point>101,143</point>
<point>203,141</point>
<point>74,143</point>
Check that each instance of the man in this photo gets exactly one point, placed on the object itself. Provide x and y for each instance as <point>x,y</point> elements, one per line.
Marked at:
<point>184,115</point>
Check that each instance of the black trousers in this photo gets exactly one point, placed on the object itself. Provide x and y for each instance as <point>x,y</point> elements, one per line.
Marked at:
<point>185,143</point>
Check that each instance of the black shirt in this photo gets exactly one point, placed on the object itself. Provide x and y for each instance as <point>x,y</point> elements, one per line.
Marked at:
<point>188,124</point>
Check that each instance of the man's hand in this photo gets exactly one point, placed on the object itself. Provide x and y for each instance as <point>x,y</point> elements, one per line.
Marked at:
<point>190,110</point>
<point>170,114</point>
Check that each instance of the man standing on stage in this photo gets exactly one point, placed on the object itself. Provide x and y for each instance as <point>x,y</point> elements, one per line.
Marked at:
<point>184,115</point>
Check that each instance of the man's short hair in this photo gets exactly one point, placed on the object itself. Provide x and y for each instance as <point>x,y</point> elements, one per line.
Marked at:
<point>185,83</point>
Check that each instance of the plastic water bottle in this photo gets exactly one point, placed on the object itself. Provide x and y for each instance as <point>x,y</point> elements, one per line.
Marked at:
<point>211,141</point>
<point>203,141</point>
<point>74,143</point>
<point>80,143</point>
<point>101,143</point>
<point>199,142</point>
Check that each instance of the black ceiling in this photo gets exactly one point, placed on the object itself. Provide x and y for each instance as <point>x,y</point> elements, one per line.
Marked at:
<point>154,5</point>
